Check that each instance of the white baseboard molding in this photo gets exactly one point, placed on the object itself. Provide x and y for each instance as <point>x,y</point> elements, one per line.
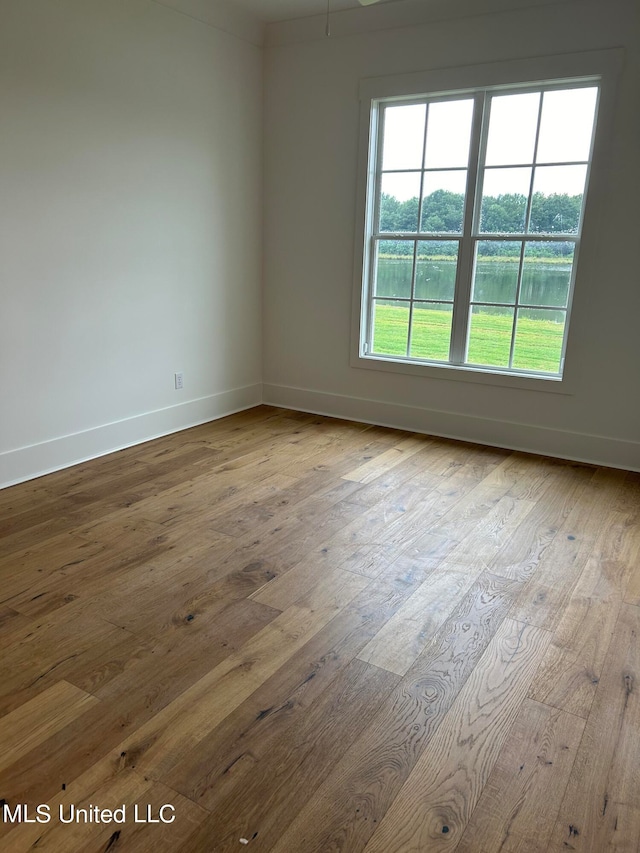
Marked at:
<point>25,463</point>
<point>574,446</point>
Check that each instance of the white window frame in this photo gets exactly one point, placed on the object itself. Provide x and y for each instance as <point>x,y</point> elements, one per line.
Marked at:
<point>599,67</point>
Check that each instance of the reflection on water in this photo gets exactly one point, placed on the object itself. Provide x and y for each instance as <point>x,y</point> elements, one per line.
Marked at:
<point>543,283</point>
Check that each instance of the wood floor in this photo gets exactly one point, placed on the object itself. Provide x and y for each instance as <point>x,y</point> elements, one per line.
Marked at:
<point>307,635</point>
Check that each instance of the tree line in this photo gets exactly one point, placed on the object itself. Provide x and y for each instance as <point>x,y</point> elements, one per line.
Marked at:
<point>442,212</point>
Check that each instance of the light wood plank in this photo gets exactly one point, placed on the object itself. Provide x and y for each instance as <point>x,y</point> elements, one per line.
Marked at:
<point>131,693</point>
<point>354,798</point>
<point>544,598</point>
<point>160,743</point>
<point>384,462</point>
<point>571,669</point>
<point>437,800</point>
<point>520,802</point>
<point>401,640</point>
<point>491,533</point>
<point>110,788</point>
<point>264,717</point>
<point>600,810</point>
<point>520,556</point>
<point>273,778</point>
<point>34,722</point>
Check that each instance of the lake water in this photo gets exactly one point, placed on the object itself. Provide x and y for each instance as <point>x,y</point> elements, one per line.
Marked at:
<point>495,281</point>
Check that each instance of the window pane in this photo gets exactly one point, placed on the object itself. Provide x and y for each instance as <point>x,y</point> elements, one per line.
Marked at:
<point>399,201</point>
<point>448,134</point>
<point>436,267</point>
<point>403,140</point>
<point>394,268</point>
<point>512,129</point>
<point>566,125</point>
<point>557,199</point>
<point>443,202</point>
<point>490,336</point>
<point>538,344</point>
<point>546,274</point>
<point>504,200</point>
<point>390,327</point>
<point>513,298</point>
<point>431,330</point>
<point>495,276</point>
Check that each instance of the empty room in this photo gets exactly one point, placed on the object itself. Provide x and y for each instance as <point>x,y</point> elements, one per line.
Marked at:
<point>320,426</point>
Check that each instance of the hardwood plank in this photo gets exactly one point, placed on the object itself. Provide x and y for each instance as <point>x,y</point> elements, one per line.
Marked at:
<point>627,555</point>
<point>600,810</point>
<point>338,453</point>
<point>285,589</point>
<point>571,670</point>
<point>355,796</point>
<point>438,798</point>
<point>384,462</point>
<point>182,724</point>
<point>10,622</point>
<point>34,722</point>
<point>139,550</point>
<point>545,596</point>
<point>424,467</point>
<point>406,634</point>
<point>273,779</point>
<point>126,788</point>
<point>441,462</point>
<point>523,475</point>
<point>520,556</point>
<point>466,510</point>
<point>193,590</point>
<point>281,496</point>
<point>43,651</point>
<point>628,499</point>
<point>38,534</point>
<point>209,494</point>
<point>491,533</point>
<point>520,801</point>
<point>208,772</point>
<point>19,571</point>
<point>397,523</point>
<point>154,838</point>
<point>184,654</point>
<point>86,669</point>
<point>632,595</point>
<point>141,688</point>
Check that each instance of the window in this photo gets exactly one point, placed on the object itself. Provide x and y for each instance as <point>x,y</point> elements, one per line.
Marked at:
<point>473,219</point>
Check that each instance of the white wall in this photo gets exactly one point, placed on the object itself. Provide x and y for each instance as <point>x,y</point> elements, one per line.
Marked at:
<point>312,114</point>
<point>130,226</point>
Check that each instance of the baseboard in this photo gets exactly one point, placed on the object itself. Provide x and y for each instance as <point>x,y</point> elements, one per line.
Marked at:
<point>578,447</point>
<point>25,463</point>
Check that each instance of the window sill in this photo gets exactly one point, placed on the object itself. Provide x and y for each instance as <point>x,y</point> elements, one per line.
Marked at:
<point>464,373</point>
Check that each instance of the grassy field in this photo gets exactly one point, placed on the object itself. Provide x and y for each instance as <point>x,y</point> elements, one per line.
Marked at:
<point>538,342</point>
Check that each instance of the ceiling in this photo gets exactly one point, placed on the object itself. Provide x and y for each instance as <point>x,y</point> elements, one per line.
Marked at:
<point>285,10</point>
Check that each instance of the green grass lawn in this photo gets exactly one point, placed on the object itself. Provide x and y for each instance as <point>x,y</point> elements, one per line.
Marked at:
<point>538,342</point>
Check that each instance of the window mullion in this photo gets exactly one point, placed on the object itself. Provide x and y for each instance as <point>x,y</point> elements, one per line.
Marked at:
<point>415,245</point>
<point>527,218</point>
<point>462,294</point>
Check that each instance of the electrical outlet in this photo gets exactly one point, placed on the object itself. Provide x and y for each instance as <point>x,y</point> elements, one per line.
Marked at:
<point>179,380</point>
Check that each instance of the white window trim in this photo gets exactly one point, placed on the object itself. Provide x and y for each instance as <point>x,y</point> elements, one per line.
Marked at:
<point>601,66</point>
